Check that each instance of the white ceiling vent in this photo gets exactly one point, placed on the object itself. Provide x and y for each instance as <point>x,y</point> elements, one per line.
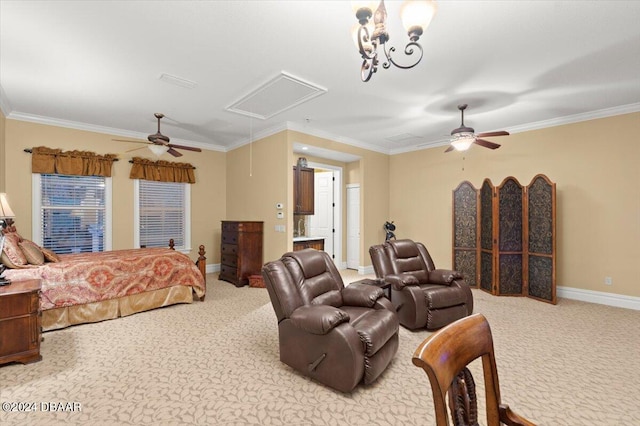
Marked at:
<point>278,94</point>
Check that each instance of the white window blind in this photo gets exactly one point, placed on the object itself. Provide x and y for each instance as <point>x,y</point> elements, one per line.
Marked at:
<point>71,213</point>
<point>163,211</point>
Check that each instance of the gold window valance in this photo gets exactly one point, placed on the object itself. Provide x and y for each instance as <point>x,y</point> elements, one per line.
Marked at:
<point>162,171</point>
<point>83,163</point>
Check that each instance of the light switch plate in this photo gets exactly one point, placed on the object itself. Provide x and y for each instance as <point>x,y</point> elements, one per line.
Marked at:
<point>280,215</point>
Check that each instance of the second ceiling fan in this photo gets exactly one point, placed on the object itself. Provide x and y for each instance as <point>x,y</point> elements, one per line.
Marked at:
<point>464,137</point>
<point>160,140</point>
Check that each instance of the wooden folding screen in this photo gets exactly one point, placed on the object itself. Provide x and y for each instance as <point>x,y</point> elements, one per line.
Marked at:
<point>504,237</point>
<point>466,238</point>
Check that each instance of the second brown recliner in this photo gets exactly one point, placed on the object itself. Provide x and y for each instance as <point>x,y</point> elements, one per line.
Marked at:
<point>423,296</point>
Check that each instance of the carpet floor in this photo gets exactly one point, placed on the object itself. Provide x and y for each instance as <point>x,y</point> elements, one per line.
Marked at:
<point>217,363</point>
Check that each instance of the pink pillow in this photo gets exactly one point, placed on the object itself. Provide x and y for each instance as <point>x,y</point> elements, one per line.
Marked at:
<point>12,249</point>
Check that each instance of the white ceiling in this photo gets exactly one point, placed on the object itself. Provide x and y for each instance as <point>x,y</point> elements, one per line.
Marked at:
<point>519,65</point>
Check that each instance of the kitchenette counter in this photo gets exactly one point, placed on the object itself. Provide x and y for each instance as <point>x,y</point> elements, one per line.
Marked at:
<point>300,243</point>
<point>297,239</point>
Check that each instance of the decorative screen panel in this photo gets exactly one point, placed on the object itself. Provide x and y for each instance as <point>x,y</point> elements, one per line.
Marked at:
<point>486,271</point>
<point>486,216</point>
<point>510,216</point>
<point>510,237</point>
<point>515,232</point>
<point>541,278</point>
<point>541,205</point>
<point>510,275</point>
<point>465,232</point>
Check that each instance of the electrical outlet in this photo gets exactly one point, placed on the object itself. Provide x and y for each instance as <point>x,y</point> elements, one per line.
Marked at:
<point>608,281</point>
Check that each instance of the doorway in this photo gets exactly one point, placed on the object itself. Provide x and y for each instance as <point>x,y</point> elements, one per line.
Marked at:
<point>327,220</point>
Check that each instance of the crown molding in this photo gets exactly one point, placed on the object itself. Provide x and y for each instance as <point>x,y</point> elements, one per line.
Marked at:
<point>537,125</point>
<point>576,118</point>
<point>111,131</point>
<point>5,106</point>
<point>337,138</point>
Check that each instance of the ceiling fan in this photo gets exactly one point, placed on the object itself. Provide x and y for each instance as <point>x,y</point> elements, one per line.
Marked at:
<point>464,137</point>
<point>161,142</point>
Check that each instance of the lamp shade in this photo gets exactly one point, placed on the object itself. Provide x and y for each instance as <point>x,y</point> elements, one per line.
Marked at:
<point>5,209</point>
<point>364,4</point>
<point>417,13</point>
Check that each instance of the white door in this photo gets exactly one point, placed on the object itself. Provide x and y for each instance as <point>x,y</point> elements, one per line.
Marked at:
<point>353,226</point>
<point>321,223</point>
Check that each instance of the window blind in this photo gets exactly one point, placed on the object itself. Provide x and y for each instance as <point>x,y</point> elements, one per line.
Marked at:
<point>162,210</point>
<point>72,213</point>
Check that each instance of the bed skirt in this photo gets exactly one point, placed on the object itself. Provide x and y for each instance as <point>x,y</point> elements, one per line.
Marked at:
<point>53,319</point>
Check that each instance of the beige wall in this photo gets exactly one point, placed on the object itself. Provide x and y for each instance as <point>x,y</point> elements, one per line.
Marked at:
<point>595,167</point>
<point>208,194</point>
<point>374,189</point>
<point>259,176</point>
<point>593,163</point>
<point>2,152</point>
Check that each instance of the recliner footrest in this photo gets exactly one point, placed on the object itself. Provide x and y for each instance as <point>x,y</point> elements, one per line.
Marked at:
<point>439,296</point>
<point>375,328</point>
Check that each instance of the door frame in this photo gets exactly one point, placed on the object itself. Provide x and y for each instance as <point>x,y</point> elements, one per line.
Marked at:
<point>359,268</point>
<point>337,211</point>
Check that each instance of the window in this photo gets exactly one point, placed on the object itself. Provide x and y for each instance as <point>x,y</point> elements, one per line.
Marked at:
<point>162,213</point>
<point>72,214</point>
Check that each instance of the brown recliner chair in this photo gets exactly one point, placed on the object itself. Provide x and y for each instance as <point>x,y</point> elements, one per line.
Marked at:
<point>423,296</point>
<point>334,334</point>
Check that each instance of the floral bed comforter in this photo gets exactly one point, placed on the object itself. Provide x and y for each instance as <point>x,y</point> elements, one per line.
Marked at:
<point>92,277</point>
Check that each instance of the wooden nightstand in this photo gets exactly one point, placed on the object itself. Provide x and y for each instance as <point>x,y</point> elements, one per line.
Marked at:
<point>20,329</point>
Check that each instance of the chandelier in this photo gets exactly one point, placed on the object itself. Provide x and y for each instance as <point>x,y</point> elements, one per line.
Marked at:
<point>416,16</point>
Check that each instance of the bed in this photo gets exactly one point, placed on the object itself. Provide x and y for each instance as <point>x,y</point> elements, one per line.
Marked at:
<point>91,287</point>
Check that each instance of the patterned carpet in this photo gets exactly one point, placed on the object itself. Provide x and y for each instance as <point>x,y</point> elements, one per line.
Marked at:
<point>216,363</point>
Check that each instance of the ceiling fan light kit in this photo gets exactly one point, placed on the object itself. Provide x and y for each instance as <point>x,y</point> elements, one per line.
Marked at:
<point>158,149</point>
<point>159,143</point>
<point>463,137</point>
<point>415,15</point>
<point>463,142</point>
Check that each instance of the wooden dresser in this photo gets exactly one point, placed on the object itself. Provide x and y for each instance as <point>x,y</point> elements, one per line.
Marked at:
<point>241,251</point>
<point>20,330</point>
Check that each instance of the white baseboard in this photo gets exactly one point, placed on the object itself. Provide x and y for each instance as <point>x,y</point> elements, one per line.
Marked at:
<point>213,267</point>
<point>600,297</point>
<point>365,270</point>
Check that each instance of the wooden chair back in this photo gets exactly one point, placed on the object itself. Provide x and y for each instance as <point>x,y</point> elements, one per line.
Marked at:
<point>444,356</point>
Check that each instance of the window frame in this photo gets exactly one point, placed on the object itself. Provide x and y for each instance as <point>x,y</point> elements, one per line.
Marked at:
<point>187,216</point>
<point>36,210</point>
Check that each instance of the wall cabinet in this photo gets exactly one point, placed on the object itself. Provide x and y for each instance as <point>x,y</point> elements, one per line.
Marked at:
<point>241,251</point>
<point>314,244</point>
<point>303,190</point>
<point>20,330</point>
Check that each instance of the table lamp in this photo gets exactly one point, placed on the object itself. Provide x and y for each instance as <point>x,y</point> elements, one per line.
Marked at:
<point>6,219</point>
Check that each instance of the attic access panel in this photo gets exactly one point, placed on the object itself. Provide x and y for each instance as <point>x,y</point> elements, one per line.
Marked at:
<point>279,94</point>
